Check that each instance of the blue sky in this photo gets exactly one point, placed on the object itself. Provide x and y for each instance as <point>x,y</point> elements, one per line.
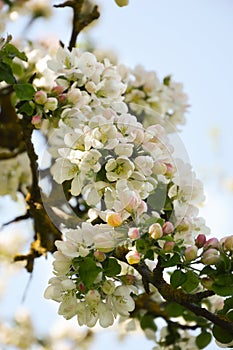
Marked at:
<point>192,40</point>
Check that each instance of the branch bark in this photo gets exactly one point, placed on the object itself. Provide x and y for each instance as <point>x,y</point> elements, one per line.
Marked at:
<point>81,19</point>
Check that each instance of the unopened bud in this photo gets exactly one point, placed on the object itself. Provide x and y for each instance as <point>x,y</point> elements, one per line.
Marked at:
<point>168,227</point>
<point>200,240</point>
<point>212,243</point>
<point>114,219</point>
<point>99,256</point>
<point>155,231</point>
<point>132,257</point>
<point>133,233</point>
<point>210,257</point>
<point>36,121</point>
<point>190,253</point>
<point>40,97</point>
<point>168,247</point>
<point>51,103</point>
<point>58,89</point>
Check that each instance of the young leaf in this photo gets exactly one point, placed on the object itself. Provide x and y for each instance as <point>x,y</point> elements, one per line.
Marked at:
<point>147,321</point>
<point>203,339</point>
<point>6,73</point>
<point>173,261</point>
<point>24,92</point>
<point>191,282</point>
<point>111,267</point>
<point>178,278</point>
<point>222,335</point>
<point>88,271</point>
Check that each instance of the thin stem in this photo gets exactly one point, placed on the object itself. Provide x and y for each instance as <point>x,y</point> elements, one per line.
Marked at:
<point>81,19</point>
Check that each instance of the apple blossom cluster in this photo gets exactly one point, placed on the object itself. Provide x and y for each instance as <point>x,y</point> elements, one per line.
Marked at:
<point>154,101</point>
<point>143,197</point>
<point>105,153</point>
<point>86,282</point>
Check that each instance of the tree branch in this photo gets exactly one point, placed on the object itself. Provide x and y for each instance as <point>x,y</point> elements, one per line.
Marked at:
<point>45,231</point>
<point>81,19</point>
<point>189,301</point>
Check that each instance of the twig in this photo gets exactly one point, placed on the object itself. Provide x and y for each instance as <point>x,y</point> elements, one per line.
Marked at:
<point>80,19</point>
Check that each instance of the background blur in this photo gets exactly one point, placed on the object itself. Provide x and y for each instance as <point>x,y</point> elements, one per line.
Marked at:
<point>192,40</point>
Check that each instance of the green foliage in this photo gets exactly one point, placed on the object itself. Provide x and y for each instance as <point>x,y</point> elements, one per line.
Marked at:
<point>191,283</point>
<point>111,267</point>
<point>88,271</point>
<point>147,322</point>
<point>169,261</point>
<point>8,68</point>
<point>174,309</point>
<point>178,278</point>
<point>222,335</point>
<point>203,339</point>
<point>24,92</point>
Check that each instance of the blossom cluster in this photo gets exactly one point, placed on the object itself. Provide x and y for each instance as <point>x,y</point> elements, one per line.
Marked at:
<point>126,174</point>
<point>85,283</point>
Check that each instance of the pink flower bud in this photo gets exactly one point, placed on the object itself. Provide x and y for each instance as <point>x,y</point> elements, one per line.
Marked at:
<point>62,98</point>
<point>114,219</point>
<point>168,227</point>
<point>36,121</point>
<point>133,233</point>
<point>200,240</point>
<point>40,97</point>
<point>170,169</point>
<point>212,243</point>
<point>58,89</point>
<point>99,256</point>
<point>155,231</point>
<point>132,257</point>
<point>210,257</point>
<point>168,247</point>
<point>190,253</point>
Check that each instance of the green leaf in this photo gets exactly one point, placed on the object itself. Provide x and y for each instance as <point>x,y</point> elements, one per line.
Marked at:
<point>26,108</point>
<point>222,335</point>
<point>191,283</point>
<point>111,267</point>
<point>173,261</point>
<point>6,73</point>
<point>174,310</point>
<point>221,290</point>
<point>147,321</point>
<point>166,80</point>
<point>11,51</point>
<point>24,92</point>
<point>177,278</point>
<point>228,304</point>
<point>88,271</point>
<point>208,270</point>
<point>203,339</point>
